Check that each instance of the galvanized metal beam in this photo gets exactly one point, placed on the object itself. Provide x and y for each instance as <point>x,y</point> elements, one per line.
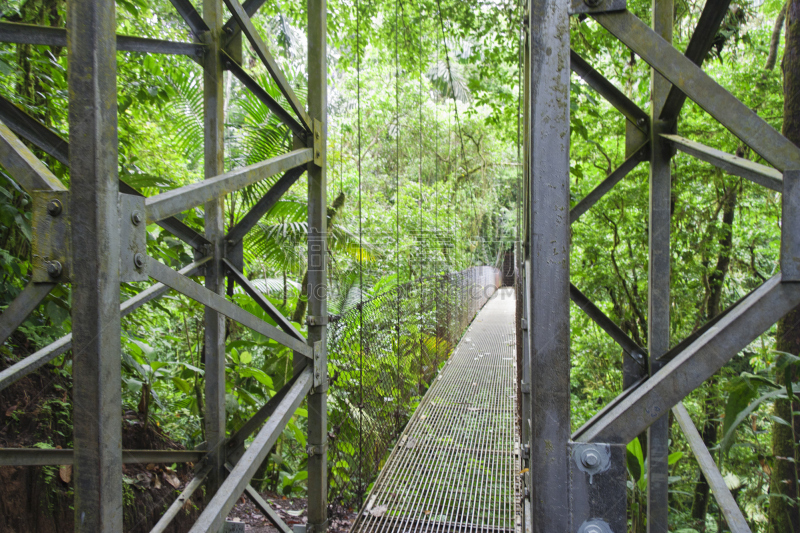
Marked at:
<point>94,192</point>
<point>697,85</point>
<point>231,28</point>
<point>223,501</point>
<point>609,91</point>
<point>263,303</point>
<point>317,483</point>
<point>180,502</point>
<point>51,351</point>
<point>212,300</point>
<point>547,144</point>
<point>13,32</point>
<point>727,504</point>
<point>696,363</point>
<point>181,199</point>
<point>738,166</point>
<point>263,506</point>
<point>213,198</point>
<point>191,16</point>
<point>265,98</point>
<point>235,443</point>
<point>262,207</point>
<point>636,352</point>
<point>658,277</point>
<point>23,166</point>
<point>588,201</point>
<point>51,143</point>
<point>47,457</point>
<point>246,25</point>
<point>702,39</point>
<point>22,306</point>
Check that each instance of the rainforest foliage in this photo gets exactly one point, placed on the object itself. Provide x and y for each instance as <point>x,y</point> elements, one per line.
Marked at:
<point>423,178</point>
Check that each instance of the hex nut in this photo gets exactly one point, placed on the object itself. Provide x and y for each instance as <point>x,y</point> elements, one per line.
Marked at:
<point>136,218</point>
<point>138,260</point>
<point>590,458</point>
<point>592,3</point>
<point>54,268</point>
<point>54,207</point>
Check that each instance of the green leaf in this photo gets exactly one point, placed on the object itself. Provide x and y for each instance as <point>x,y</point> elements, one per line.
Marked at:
<point>245,358</point>
<point>635,459</point>
<point>182,384</point>
<point>674,458</point>
<point>727,439</point>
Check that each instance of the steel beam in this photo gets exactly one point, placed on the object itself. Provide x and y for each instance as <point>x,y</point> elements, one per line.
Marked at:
<point>236,442</point>
<point>51,351</point>
<point>161,272</point>
<point>219,506</point>
<point>263,303</point>
<point>12,32</point>
<point>94,193</point>
<point>23,166</point>
<point>658,277</point>
<point>246,25</point>
<point>730,509</point>
<point>265,98</point>
<point>636,352</point>
<point>548,317</point>
<point>46,457</point>
<point>696,363</point>
<point>232,29</point>
<point>697,50</point>
<point>263,506</point>
<point>51,143</point>
<point>317,264</point>
<point>262,207</point>
<point>609,91</point>
<point>179,503</point>
<point>588,201</point>
<point>701,88</point>
<point>214,187</point>
<point>22,306</point>
<point>181,199</point>
<point>191,16</point>
<point>737,166</point>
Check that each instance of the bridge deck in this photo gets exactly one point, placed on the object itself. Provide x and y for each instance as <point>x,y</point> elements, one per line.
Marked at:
<point>455,467</point>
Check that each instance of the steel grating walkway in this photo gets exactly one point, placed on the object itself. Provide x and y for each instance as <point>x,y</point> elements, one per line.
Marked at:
<point>454,468</point>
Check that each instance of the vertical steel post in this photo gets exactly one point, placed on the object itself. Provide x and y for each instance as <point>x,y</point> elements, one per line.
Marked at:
<point>214,154</point>
<point>317,258</point>
<point>548,324</point>
<point>659,276</point>
<point>97,396</point>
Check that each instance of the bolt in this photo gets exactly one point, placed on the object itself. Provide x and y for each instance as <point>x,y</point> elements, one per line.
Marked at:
<point>138,260</point>
<point>229,30</point>
<point>54,208</point>
<point>316,134</point>
<point>318,154</point>
<point>590,458</point>
<point>54,269</point>
<point>593,529</point>
<point>641,121</point>
<point>136,218</point>
<point>592,3</point>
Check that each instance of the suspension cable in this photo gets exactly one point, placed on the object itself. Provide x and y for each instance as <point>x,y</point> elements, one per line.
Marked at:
<point>361,487</point>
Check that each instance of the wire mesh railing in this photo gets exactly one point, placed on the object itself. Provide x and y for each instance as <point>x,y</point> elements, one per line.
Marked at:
<point>383,354</point>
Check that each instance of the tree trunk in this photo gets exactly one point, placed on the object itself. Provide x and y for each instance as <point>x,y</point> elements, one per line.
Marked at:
<point>716,282</point>
<point>784,515</point>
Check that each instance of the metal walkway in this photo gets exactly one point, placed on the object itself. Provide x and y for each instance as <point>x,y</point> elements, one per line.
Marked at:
<point>454,468</point>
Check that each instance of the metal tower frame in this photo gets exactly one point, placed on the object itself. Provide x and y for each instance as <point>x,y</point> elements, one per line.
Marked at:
<point>576,481</point>
<point>93,236</point>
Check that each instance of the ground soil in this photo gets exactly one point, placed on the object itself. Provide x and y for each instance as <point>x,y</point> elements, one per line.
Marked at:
<point>293,511</point>
<point>36,411</point>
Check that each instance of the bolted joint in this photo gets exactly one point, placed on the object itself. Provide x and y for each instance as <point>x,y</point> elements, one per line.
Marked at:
<point>54,207</point>
<point>54,269</point>
<point>312,320</point>
<point>138,260</point>
<point>136,218</point>
<point>595,526</point>
<point>592,3</point>
<point>592,459</point>
<point>316,449</point>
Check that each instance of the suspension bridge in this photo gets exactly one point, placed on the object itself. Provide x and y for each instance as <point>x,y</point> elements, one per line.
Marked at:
<point>490,447</point>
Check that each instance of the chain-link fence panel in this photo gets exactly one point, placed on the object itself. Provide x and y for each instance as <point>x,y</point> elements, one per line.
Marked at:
<point>383,355</point>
